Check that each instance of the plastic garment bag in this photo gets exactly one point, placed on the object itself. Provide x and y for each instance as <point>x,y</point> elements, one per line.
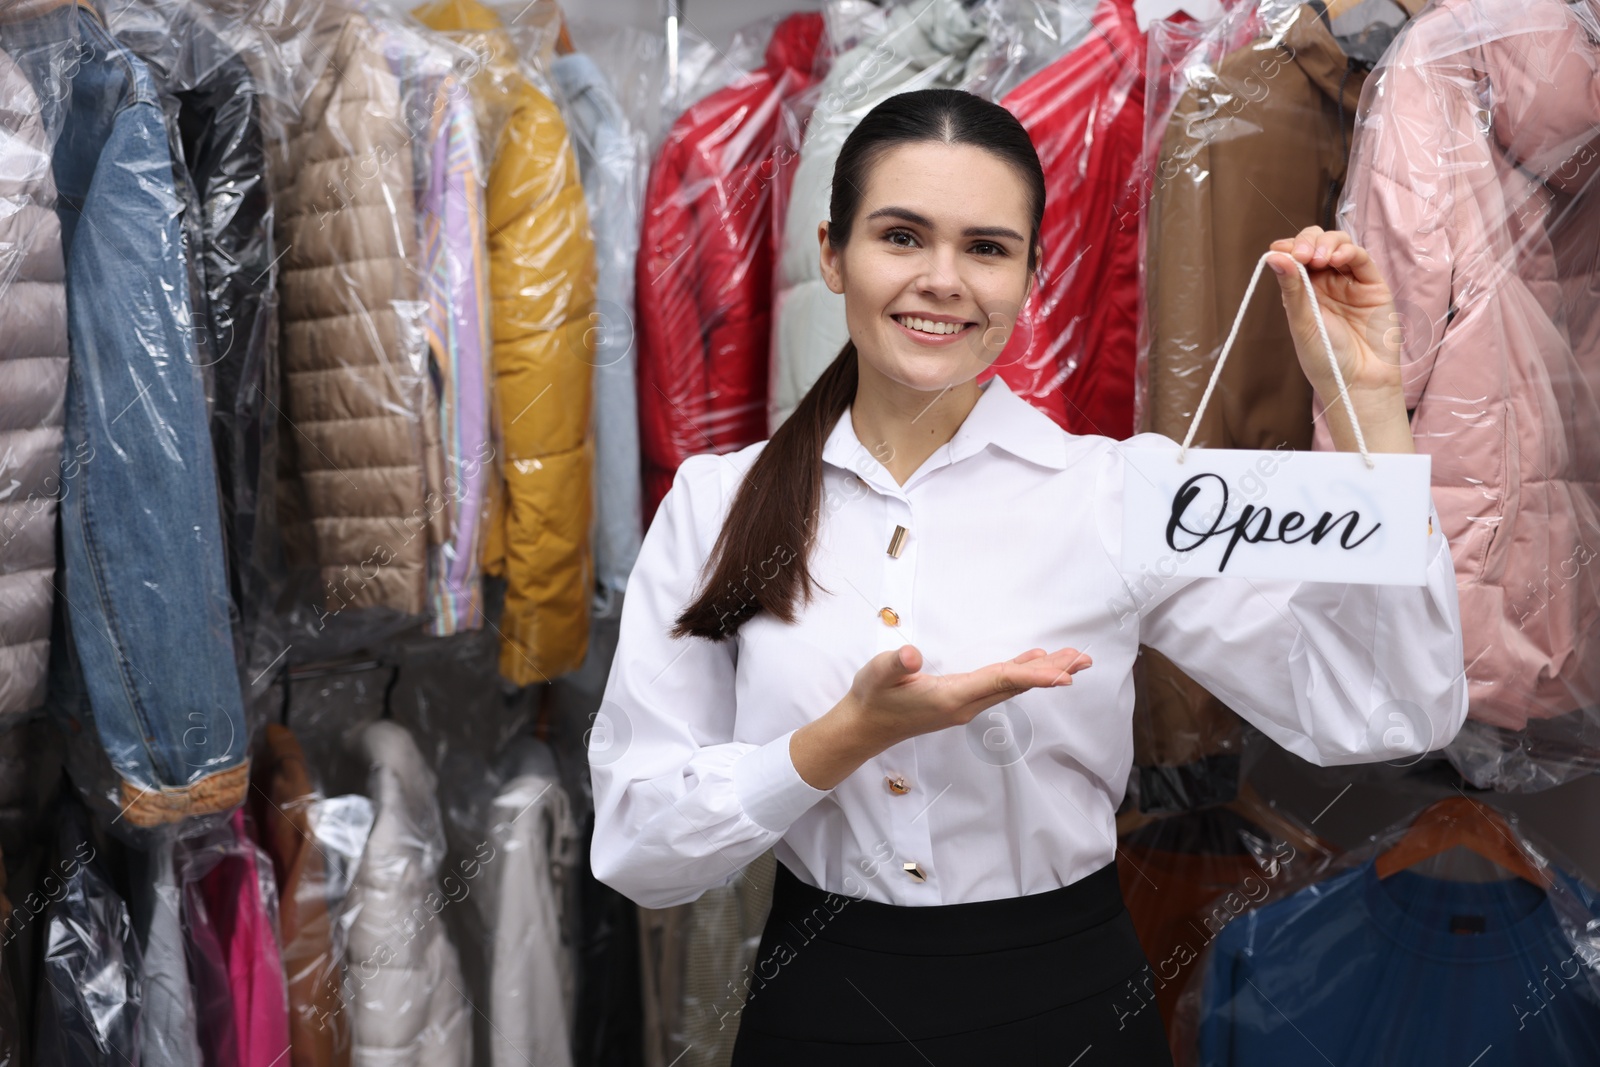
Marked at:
<point>203,68</point>
<point>1071,351</point>
<point>315,844</point>
<point>33,382</point>
<point>143,654</point>
<point>448,171</point>
<point>601,922</point>
<point>612,164</point>
<point>87,1011</point>
<point>532,987</point>
<point>1253,148</point>
<point>1186,876</point>
<point>636,63</point>
<point>1473,183</point>
<point>360,500</point>
<point>1407,969</point>
<point>542,294</point>
<point>698,958</point>
<point>167,1027</point>
<point>230,915</point>
<point>403,977</point>
<point>703,287</point>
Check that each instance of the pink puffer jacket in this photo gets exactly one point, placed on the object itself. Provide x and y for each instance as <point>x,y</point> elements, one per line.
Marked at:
<point>1475,182</point>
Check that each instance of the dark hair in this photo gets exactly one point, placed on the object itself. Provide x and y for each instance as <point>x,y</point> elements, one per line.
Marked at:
<point>759,561</point>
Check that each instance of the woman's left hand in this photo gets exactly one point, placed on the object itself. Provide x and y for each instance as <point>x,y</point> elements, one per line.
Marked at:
<point>1363,329</point>
<point>1356,305</point>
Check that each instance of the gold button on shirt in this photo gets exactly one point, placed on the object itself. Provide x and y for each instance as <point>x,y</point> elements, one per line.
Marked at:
<point>897,542</point>
<point>897,784</point>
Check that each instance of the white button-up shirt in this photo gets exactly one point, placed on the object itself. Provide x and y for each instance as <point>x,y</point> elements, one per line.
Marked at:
<point>1014,541</point>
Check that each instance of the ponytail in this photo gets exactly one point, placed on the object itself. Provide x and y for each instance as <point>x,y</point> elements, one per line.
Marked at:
<point>760,561</point>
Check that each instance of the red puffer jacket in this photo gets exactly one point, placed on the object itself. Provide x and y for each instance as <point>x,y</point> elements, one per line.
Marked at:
<point>1073,350</point>
<point>705,266</point>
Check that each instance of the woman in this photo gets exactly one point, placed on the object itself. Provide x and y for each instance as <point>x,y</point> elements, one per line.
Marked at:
<point>862,683</point>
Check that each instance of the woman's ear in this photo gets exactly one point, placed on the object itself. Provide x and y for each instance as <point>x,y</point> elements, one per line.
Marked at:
<point>1033,272</point>
<point>830,260</point>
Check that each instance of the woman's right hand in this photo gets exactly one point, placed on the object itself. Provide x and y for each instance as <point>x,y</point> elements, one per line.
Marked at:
<point>892,700</point>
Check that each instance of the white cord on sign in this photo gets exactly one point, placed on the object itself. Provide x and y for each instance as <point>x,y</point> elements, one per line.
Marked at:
<point>1327,346</point>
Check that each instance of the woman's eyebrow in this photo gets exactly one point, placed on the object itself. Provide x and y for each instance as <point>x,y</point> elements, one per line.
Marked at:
<point>906,215</point>
<point>992,231</point>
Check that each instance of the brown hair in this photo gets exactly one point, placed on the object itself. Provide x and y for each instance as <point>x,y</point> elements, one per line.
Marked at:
<point>760,559</point>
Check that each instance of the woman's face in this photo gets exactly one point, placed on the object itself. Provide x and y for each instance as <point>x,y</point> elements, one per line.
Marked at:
<point>936,266</point>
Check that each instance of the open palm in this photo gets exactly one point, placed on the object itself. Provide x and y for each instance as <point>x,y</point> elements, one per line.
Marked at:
<point>901,700</point>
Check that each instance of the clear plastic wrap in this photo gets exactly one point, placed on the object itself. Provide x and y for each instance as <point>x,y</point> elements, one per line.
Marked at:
<point>1473,183</point>
<point>167,1024</point>
<point>531,981</point>
<point>542,287</point>
<point>1185,876</point>
<point>921,45</point>
<point>360,467</point>
<point>204,68</point>
<point>230,918</point>
<point>637,62</point>
<point>613,167</point>
<point>33,371</point>
<point>441,131</point>
<point>1385,961</point>
<point>403,979</point>
<point>1071,353</point>
<point>610,151</point>
<point>142,651</point>
<point>697,960</point>
<point>611,1020</point>
<point>703,287</point>
<point>315,844</point>
<point>1249,134</point>
<point>89,998</point>
<point>449,171</point>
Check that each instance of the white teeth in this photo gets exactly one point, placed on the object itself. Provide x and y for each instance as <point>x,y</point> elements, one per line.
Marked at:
<point>928,326</point>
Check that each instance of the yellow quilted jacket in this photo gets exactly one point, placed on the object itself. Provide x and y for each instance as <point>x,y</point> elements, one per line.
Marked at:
<point>542,282</point>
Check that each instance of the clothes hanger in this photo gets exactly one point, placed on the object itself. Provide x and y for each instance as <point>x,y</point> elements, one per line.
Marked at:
<point>564,45</point>
<point>1470,824</point>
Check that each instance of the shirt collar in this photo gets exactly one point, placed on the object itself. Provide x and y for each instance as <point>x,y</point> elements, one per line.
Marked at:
<point>1000,418</point>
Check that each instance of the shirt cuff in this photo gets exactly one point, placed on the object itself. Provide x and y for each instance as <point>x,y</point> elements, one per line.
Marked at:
<point>769,788</point>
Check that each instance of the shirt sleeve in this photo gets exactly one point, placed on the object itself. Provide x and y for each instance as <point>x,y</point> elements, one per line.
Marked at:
<point>681,807</point>
<point>1335,673</point>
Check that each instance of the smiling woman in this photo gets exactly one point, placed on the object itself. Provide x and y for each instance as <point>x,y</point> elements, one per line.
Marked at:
<point>933,240</point>
<point>835,643</point>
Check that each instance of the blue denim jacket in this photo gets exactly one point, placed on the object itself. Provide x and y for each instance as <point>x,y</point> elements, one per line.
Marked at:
<point>145,591</point>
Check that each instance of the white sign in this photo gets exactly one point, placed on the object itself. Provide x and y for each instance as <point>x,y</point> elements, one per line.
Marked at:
<point>1303,516</point>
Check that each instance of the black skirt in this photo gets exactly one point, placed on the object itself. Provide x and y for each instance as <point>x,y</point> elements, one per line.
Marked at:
<point>1051,978</point>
